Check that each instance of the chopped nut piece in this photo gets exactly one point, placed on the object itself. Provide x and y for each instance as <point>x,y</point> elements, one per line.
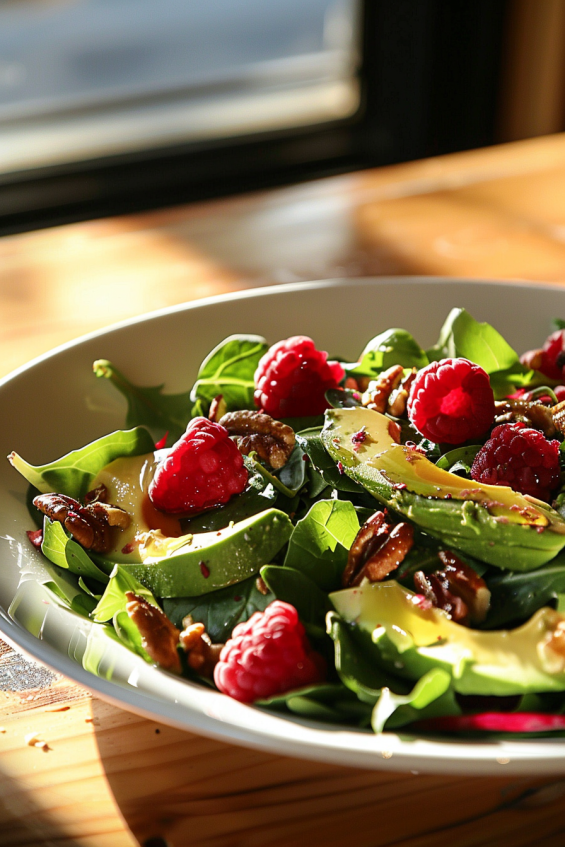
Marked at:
<point>261,586</point>
<point>218,408</point>
<point>398,399</point>
<point>457,589</point>
<point>377,394</point>
<point>89,525</point>
<point>159,637</point>
<point>202,655</point>
<point>97,495</point>
<point>377,550</point>
<point>272,440</point>
<point>533,414</point>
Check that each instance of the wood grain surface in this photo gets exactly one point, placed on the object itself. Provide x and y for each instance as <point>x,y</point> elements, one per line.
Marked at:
<point>72,768</point>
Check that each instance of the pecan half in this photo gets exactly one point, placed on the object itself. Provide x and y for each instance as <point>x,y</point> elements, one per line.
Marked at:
<point>159,637</point>
<point>457,589</point>
<point>89,525</point>
<point>257,432</point>
<point>377,550</point>
<point>202,655</point>
<point>533,414</point>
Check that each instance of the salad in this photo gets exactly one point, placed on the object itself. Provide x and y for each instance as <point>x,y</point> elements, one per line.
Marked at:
<point>377,544</point>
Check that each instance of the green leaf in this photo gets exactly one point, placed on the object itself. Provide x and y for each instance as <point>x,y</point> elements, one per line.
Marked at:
<point>221,610</point>
<point>229,370</point>
<point>459,461</point>
<point>66,553</point>
<point>430,689</point>
<point>129,634</point>
<point>516,596</point>
<point>294,587</point>
<point>463,336</point>
<point>310,441</point>
<point>325,701</point>
<point>355,665</point>
<point>114,598</point>
<point>320,542</point>
<point>148,406</point>
<point>392,347</point>
<point>73,473</point>
<point>257,497</point>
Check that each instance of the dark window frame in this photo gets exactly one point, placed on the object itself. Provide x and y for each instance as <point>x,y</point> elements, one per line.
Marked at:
<point>429,85</point>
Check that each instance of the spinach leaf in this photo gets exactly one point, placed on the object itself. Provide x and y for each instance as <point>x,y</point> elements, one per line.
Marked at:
<point>320,542</point>
<point>516,596</point>
<point>148,406</point>
<point>220,610</point>
<point>114,598</point>
<point>229,370</point>
<point>459,461</point>
<point>66,553</point>
<point>343,398</point>
<point>326,701</point>
<point>73,474</point>
<point>392,347</point>
<point>293,475</point>
<point>354,665</point>
<point>257,497</point>
<point>129,634</point>
<point>431,697</point>
<point>463,336</point>
<point>294,587</point>
<point>311,442</point>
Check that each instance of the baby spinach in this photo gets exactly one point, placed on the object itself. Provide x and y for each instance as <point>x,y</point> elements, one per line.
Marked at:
<point>516,596</point>
<point>320,542</point>
<point>229,370</point>
<point>66,553</point>
<point>73,473</point>
<point>294,587</point>
<point>148,405</point>
<point>221,610</point>
<point>392,347</point>
<point>257,497</point>
<point>114,598</point>
<point>431,697</point>
<point>325,701</point>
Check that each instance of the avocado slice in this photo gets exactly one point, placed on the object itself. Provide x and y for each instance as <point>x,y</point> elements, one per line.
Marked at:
<point>171,564</point>
<point>411,639</point>
<point>490,522</point>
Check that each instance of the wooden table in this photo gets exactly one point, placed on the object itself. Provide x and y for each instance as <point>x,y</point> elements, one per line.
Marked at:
<point>495,213</point>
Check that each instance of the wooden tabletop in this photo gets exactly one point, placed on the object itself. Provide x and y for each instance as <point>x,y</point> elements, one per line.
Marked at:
<point>73,769</point>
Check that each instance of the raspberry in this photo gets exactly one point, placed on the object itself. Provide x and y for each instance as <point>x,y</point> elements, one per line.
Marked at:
<point>451,401</point>
<point>203,469</point>
<point>553,356</point>
<point>292,378</point>
<point>267,655</point>
<point>520,457</point>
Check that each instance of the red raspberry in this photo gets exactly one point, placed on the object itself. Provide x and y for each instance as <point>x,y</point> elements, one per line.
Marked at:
<point>553,356</point>
<point>292,378</point>
<point>267,655</point>
<point>451,401</point>
<point>520,457</point>
<point>203,469</point>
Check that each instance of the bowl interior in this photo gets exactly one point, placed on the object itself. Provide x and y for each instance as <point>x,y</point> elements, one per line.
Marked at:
<point>55,404</point>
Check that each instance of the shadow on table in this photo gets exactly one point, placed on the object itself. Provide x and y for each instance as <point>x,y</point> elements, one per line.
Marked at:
<point>179,789</point>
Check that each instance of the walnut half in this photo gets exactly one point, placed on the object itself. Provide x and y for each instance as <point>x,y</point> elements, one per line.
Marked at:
<point>377,550</point>
<point>257,432</point>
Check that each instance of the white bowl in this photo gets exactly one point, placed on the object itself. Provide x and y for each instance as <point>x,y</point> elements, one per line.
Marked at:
<point>55,404</point>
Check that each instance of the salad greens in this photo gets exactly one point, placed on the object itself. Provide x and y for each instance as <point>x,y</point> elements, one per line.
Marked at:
<point>392,660</point>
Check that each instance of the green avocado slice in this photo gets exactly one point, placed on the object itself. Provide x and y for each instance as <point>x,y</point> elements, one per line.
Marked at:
<point>192,565</point>
<point>410,640</point>
<point>492,523</point>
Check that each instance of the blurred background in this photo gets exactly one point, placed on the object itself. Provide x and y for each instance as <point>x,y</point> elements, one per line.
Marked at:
<point>118,105</point>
